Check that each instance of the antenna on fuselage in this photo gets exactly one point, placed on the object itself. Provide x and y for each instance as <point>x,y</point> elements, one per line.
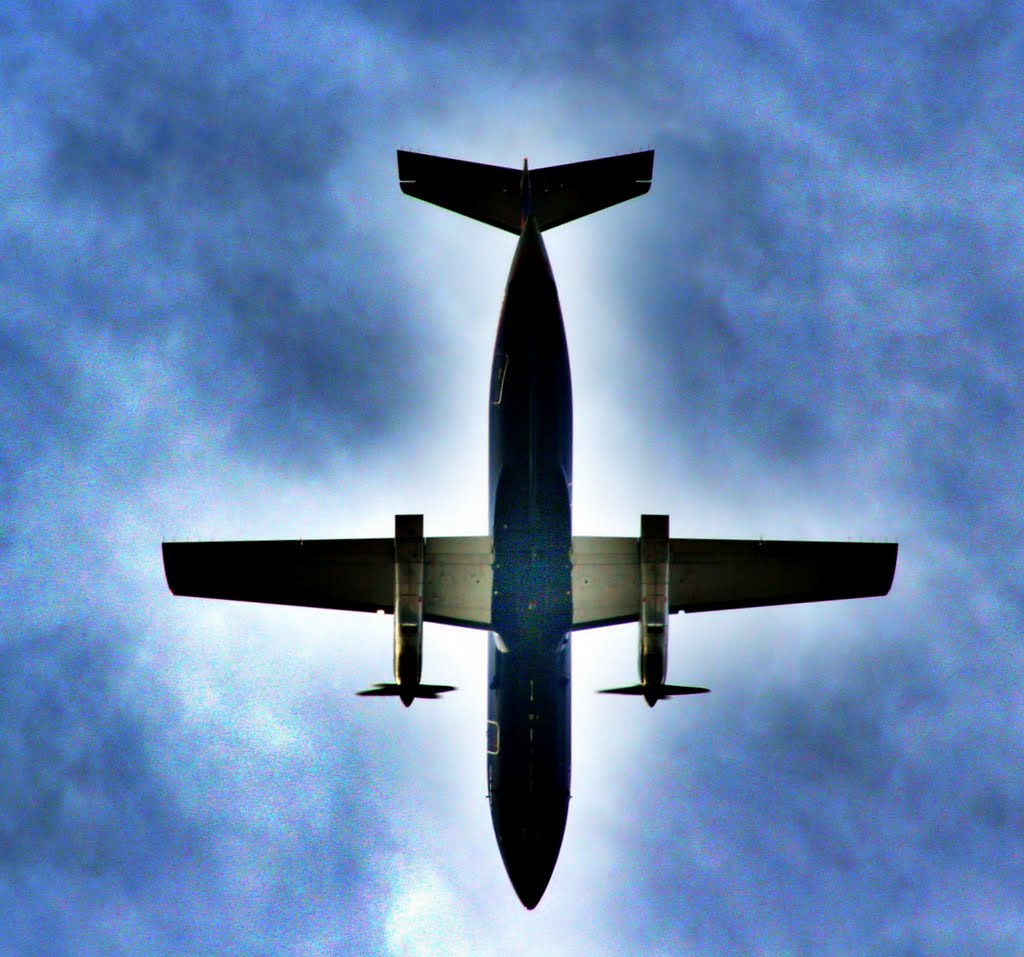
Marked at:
<point>526,196</point>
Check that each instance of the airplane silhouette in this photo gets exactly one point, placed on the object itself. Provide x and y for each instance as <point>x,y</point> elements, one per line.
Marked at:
<point>530,583</point>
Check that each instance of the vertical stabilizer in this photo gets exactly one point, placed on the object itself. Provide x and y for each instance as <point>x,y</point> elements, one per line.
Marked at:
<point>525,196</point>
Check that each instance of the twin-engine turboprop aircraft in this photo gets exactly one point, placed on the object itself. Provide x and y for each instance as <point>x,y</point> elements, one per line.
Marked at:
<point>531,583</point>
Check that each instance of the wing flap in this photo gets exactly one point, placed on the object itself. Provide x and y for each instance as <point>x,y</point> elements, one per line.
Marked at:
<point>605,581</point>
<point>457,580</point>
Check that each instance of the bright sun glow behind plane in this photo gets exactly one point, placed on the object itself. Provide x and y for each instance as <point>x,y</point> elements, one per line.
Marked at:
<point>439,468</point>
<point>447,465</point>
<point>452,273</point>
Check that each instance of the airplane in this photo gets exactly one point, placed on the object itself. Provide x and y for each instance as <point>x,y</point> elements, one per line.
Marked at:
<point>531,583</point>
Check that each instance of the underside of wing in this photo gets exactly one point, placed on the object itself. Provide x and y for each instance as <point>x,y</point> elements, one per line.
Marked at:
<point>349,574</point>
<point>716,574</point>
<point>457,579</point>
<point>357,574</point>
<point>605,581</point>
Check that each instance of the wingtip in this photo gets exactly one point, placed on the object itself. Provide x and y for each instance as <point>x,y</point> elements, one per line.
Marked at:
<point>171,570</point>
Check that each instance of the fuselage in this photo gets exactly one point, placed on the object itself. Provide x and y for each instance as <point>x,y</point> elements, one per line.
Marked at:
<point>528,730</point>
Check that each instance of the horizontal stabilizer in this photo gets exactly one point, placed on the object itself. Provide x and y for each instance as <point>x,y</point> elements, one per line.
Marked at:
<point>493,194</point>
<point>564,193</point>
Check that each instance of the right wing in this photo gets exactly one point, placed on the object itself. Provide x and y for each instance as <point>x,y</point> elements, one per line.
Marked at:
<point>716,574</point>
<point>353,574</point>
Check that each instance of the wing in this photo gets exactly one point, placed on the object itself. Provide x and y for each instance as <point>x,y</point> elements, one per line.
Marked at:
<point>605,580</point>
<point>457,580</point>
<point>351,574</point>
<point>355,574</point>
<point>716,574</point>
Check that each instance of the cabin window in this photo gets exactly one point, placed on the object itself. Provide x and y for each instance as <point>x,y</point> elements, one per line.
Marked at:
<point>498,378</point>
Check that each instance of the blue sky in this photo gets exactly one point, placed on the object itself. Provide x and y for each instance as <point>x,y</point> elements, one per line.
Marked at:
<point>221,319</point>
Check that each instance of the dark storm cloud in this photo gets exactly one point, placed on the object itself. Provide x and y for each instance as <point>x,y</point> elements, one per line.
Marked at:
<point>169,239</point>
<point>852,797</point>
<point>79,805</point>
<point>840,797</point>
<point>570,39</point>
<point>844,297</point>
<point>734,335</point>
<point>900,79</point>
<point>121,826</point>
<point>817,267</point>
<point>76,790</point>
<point>183,188</point>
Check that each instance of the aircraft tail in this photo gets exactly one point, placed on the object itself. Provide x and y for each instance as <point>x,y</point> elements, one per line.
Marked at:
<point>495,194</point>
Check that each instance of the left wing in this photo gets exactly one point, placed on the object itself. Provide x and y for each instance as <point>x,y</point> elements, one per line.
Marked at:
<point>355,574</point>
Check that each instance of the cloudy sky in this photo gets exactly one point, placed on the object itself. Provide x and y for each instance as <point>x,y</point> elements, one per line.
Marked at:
<point>219,318</point>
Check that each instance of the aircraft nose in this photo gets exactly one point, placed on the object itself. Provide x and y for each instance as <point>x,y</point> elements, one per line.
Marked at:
<point>529,847</point>
<point>530,873</point>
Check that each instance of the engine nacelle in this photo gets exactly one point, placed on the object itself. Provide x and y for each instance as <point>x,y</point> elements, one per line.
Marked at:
<point>408,599</point>
<point>655,549</point>
<point>408,657</point>
<point>654,606</point>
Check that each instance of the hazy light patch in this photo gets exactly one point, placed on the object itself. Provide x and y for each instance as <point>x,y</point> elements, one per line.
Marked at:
<point>574,269</point>
<point>475,131</point>
<point>612,488</point>
<point>446,740</point>
<point>611,763</point>
<point>605,727</point>
<point>463,265</point>
<point>424,917</point>
<point>601,326</point>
